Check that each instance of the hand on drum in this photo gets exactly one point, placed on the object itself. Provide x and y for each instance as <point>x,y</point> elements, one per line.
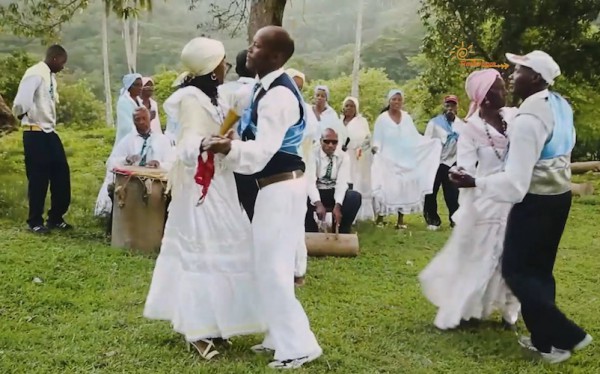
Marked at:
<point>153,164</point>
<point>133,159</point>
<point>460,178</point>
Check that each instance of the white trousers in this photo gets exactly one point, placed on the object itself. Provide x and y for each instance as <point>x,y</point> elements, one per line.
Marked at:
<point>278,227</point>
<point>301,259</point>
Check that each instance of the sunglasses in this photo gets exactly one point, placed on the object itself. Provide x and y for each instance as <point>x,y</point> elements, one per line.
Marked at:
<point>228,67</point>
<point>328,141</point>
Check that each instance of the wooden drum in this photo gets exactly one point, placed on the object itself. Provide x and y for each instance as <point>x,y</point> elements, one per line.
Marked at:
<point>139,208</point>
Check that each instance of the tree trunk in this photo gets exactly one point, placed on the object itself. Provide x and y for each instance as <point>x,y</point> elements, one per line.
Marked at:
<point>584,167</point>
<point>127,34</point>
<point>107,92</point>
<point>264,13</point>
<point>134,43</point>
<point>357,44</point>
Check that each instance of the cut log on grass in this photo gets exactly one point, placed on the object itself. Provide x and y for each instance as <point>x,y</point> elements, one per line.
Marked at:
<point>584,167</point>
<point>583,189</point>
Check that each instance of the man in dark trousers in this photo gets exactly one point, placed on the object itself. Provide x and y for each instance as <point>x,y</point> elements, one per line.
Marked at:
<point>446,127</point>
<point>45,159</point>
<point>537,179</point>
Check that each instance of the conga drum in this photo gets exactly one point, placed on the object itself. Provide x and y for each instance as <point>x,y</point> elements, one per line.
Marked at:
<point>139,208</point>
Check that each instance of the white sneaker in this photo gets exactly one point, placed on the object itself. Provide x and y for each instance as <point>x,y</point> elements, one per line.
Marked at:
<point>584,343</point>
<point>259,348</point>
<point>294,363</point>
<point>433,228</point>
<point>555,355</point>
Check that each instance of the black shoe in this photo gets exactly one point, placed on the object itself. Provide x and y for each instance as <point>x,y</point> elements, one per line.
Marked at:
<point>39,229</point>
<point>62,226</point>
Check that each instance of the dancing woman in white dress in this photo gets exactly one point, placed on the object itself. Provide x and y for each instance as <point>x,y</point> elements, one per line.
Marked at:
<point>405,162</point>
<point>203,282</point>
<point>464,280</point>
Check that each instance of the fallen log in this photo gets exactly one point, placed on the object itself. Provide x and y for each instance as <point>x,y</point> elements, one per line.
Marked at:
<point>582,189</point>
<point>584,167</point>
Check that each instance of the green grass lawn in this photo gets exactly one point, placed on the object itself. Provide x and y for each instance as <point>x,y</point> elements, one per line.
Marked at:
<point>368,313</point>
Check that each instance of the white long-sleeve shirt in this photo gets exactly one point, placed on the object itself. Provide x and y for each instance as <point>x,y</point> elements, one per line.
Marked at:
<point>39,107</point>
<point>524,172</point>
<point>158,148</point>
<point>277,111</point>
<point>340,175</point>
<point>432,130</point>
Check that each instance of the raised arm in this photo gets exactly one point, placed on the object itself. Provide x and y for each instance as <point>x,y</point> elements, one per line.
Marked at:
<point>466,154</point>
<point>195,125</point>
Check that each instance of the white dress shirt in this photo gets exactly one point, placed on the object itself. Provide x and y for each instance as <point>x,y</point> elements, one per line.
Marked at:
<point>277,111</point>
<point>38,105</point>
<point>158,147</point>
<point>524,171</point>
<point>340,175</point>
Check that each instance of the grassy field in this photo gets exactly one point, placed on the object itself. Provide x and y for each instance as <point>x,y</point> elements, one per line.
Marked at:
<point>69,303</point>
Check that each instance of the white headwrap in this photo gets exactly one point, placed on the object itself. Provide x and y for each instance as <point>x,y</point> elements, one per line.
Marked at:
<point>324,89</point>
<point>354,100</point>
<point>128,81</point>
<point>200,56</point>
<point>295,73</point>
<point>393,92</point>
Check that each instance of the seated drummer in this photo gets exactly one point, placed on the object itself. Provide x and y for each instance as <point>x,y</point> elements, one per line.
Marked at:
<point>328,187</point>
<point>143,147</point>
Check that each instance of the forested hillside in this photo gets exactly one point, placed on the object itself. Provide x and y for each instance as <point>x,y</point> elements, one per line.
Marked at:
<point>324,32</point>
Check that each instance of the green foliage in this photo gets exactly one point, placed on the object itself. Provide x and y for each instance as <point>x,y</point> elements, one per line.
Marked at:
<point>163,88</point>
<point>13,67</point>
<point>374,85</point>
<point>39,18</point>
<point>78,106</point>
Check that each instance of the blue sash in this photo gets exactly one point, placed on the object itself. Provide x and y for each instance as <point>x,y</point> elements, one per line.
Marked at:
<point>443,122</point>
<point>562,139</point>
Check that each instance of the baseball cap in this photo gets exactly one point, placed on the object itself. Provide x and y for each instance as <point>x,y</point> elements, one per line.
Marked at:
<point>538,61</point>
<point>451,98</point>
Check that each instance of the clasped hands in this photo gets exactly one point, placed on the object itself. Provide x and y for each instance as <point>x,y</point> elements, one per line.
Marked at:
<point>218,143</point>
<point>460,178</point>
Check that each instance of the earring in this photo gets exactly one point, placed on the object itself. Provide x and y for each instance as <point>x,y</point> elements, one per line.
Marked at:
<point>213,76</point>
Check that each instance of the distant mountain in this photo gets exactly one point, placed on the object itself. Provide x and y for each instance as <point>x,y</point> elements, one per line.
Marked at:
<point>323,31</point>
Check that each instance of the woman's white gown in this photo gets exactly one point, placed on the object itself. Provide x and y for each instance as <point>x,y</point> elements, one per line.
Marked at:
<point>203,282</point>
<point>404,167</point>
<point>464,280</point>
<point>359,150</point>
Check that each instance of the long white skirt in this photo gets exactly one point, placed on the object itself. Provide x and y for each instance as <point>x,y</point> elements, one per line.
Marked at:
<point>401,187</point>
<point>464,280</point>
<point>360,171</point>
<point>204,280</point>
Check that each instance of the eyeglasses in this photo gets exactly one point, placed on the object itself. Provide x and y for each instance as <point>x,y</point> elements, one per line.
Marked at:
<point>228,67</point>
<point>328,141</point>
